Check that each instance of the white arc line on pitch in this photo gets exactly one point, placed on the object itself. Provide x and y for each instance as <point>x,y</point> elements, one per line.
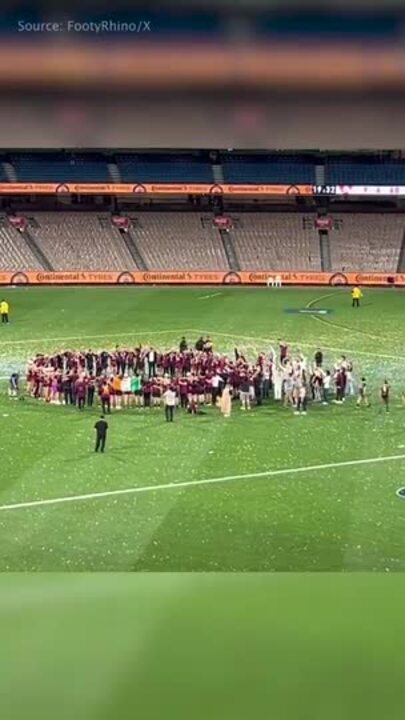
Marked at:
<point>104,336</point>
<point>207,481</point>
<point>86,339</point>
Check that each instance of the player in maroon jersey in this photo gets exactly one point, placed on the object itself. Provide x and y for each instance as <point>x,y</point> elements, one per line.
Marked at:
<point>195,390</point>
<point>147,392</point>
<point>80,392</point>
<point>283,347</point>
<point>207,381</point>
<point>183,391</point>
<point>156,391</point>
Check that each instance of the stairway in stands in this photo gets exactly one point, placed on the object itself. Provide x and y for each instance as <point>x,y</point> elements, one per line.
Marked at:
<point>114,172</point>
<point>229,249</point>
<point>10,172</point>
<point>217,173</point>
<point>320,175</point>
<point>130,241</point>
<point>36,250</point>
<point>401,258</point>
<point>324,248</point>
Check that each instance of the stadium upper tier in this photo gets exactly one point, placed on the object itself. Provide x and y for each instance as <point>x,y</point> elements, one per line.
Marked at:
<point>150,168</point>
<point>238,168</point>
<point>350,173</point>
<point>58,167</point>
<point>204,167</point>
<point>191,241</point>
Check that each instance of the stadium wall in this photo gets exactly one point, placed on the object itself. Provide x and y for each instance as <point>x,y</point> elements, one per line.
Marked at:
<point>199,278</point>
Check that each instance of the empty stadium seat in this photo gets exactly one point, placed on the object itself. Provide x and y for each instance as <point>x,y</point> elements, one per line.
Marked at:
<point>276,241</point>
<point>366,242</point>
<point>79,241</point>
<point>15,254</point>
<point>188,241</point>
<point>177,241</point>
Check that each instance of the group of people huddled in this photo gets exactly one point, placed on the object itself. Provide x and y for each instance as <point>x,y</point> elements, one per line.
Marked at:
<point>189,377</point>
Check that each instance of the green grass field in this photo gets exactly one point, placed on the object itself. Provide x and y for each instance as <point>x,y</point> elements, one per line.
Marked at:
<point>332,518</point>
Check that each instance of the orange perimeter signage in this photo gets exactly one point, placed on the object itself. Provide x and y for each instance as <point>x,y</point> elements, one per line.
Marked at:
<point>199,189</point>
<point>151,189</point>
<point>182,277</point>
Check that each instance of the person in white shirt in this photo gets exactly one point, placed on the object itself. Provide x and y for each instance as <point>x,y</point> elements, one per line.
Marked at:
<point>169,401</point>
<point>303,361</point>
<point>266,381</point>
<point>277,383</point>
<point>350,385</point>
<point>216,387</point>
<point>277,281</point>
<point>270,281</point>
<point>327,383</point>
<point>151,363</point>
<point>126,390</point>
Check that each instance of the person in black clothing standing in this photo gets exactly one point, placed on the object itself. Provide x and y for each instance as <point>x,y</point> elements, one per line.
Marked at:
<point>67,390</point>
<point>90,361</point>
<point>199,346</point>
<point>91,386</point>
<point>59,362</point>
<point>101,428</point>
<point>258,387</point>
<point>318,358</point>
<point>104,360</point>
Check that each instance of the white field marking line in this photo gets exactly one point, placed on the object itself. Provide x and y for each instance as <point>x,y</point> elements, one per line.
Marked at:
<point>316,300</point>
<point>217,334</point>
<point>355,352</point>
<point>91,337</point>
<point>235,336</point>
<point>206,481</point>
<point>331,323</point>
<point>206,297</point>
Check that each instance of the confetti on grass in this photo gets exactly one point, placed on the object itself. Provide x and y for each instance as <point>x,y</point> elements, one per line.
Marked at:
<point>345,519</point>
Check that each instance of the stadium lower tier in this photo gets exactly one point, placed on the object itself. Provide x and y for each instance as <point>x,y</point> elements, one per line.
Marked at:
<point>194,241</point>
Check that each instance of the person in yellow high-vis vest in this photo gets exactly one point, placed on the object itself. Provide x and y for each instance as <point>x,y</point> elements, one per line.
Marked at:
<point>4,310</point>
<point>356,296</point>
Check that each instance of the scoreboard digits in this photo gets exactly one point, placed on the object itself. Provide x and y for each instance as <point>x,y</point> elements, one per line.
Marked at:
<point>324,189</point>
